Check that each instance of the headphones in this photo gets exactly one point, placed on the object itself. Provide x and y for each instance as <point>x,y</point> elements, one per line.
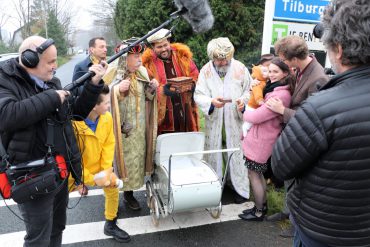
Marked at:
<point>30,58</point>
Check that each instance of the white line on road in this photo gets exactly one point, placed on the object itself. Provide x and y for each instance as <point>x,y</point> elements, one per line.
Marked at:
<point>134,226</point>
<point>74,194</point>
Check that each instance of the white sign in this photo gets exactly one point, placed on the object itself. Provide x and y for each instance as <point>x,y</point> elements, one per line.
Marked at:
<point>282,29</point>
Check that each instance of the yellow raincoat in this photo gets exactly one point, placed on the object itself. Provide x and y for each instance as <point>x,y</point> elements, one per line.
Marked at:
<point>97,150</point>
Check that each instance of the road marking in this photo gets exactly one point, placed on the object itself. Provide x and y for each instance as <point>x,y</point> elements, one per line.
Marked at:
<point>74,194</point>
<point>134,226</point>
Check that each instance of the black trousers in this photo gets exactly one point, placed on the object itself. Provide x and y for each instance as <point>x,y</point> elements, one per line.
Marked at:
<point>45,218</point>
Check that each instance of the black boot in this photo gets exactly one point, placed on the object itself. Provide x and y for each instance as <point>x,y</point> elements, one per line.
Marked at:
<point>264,209</point>
<point>111,229</point>
<point>256,215</point>
<point>128,197</point>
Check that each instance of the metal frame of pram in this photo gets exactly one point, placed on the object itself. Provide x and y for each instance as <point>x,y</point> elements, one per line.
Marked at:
<point>161,205</point>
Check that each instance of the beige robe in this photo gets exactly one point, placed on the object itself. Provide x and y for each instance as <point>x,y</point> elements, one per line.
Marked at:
<point>135,151</point>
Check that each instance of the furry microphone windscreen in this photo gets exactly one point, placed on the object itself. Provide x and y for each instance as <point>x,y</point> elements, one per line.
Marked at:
<point>198,14</point>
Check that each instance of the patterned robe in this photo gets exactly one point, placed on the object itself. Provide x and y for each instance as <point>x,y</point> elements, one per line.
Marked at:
<point>135,150</point>
<point>235,85</point>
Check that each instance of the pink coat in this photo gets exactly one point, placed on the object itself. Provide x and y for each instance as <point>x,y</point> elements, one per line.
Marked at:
<point>267,125</point>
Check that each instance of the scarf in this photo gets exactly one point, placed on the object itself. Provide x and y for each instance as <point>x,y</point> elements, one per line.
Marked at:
<point>271,86</point>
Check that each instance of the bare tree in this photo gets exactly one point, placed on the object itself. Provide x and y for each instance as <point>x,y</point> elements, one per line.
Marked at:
<point>22,15</point>
<point>103,11</point>
<point>4,17</point>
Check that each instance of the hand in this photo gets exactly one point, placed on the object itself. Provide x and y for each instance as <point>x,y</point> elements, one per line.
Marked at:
<point>153,83</point>
<point>254,82</point>
<point>63,94</point>
<point>167,91</point>
<point>82,190</point>
<point>217,102</point>
<point>260,102</point>
<point>124,85</point>
<point>275,105</point>
<point>240,104</point>
<point>99,70</point>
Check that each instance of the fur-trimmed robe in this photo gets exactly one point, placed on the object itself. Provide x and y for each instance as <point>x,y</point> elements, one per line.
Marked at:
<point>184,66</point>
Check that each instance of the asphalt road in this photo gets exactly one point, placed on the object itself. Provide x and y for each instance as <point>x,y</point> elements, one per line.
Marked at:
<point>64,72</point>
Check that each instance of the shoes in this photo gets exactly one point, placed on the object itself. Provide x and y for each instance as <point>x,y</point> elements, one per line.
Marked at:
<point>255,215</point>
<point>111,229</point>
<point>128,197</point>
<point>83,190</point>
<point>238,199</point>
<point>249,210</point>
<point>288,232</point>
<point>277,217</point>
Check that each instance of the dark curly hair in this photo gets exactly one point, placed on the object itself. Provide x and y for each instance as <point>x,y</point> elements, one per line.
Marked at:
<point>347,23</point>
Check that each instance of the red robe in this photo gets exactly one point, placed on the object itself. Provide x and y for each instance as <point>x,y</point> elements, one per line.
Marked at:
<point>184,66</point>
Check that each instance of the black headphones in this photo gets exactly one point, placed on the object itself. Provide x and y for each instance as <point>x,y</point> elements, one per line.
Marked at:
<point>30,58</point>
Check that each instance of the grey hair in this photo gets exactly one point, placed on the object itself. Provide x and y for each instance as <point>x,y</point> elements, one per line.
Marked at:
<point>347,23</point>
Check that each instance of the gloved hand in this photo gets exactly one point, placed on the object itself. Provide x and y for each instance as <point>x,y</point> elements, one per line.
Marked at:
<point>167,91</point>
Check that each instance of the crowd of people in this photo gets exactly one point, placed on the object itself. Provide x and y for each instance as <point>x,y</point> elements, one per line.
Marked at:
<point>288,116</point>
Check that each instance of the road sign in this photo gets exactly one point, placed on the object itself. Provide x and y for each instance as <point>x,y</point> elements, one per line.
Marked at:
<point>282,29</point>
<point>300,10</point>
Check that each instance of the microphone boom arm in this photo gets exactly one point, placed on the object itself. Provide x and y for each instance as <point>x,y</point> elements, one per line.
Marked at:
<point>80,81</point>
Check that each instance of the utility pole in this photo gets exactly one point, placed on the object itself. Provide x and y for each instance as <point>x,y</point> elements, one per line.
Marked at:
<point>28,19</point>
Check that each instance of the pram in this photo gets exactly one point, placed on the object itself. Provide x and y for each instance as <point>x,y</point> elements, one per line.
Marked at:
<point>182,180</point>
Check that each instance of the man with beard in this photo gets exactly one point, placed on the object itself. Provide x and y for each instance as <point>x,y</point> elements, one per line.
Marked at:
<point>221,92</point>
<point>177,112</point>
<point>294,52</point>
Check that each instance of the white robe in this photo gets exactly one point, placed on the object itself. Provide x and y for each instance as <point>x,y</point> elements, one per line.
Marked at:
<point>235,85</point>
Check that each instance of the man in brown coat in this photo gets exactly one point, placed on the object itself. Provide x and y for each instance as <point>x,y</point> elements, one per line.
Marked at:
<point>294,52</point>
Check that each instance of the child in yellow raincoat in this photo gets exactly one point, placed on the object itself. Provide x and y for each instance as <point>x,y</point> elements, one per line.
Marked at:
<point>96,141</point>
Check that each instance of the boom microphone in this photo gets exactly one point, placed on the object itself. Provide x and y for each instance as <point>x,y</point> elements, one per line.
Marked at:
<point>198,14</point>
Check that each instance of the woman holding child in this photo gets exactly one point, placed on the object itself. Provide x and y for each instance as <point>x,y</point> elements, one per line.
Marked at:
<point>259,141</point>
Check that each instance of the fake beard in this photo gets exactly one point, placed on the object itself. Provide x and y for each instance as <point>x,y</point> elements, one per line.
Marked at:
<point>198,14</point>
<point>222,70</point>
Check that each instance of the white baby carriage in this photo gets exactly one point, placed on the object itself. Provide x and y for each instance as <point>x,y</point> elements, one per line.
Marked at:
<point>182,180</point>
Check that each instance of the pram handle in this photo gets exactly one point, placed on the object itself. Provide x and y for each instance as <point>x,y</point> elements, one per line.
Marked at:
<point>233,150</point>
<point>205,152</point>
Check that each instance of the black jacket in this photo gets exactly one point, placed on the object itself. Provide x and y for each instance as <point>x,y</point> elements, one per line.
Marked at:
<point>326,148</point>
<point>24,108</point>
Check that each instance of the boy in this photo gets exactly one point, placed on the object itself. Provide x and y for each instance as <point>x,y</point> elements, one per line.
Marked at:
<point>96,142</point>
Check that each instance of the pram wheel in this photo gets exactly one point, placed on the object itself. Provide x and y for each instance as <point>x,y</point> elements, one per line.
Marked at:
<point>216,211</point>
<point>154,210</point>
<point>149,194</point>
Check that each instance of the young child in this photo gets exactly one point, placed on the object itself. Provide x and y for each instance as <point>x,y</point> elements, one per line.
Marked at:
<point>259,73</point>
<point>96,142</point>
<point>260,139</point>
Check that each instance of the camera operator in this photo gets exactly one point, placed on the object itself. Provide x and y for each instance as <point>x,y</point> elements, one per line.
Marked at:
<point>325,145</point>
<point>29,97</point>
